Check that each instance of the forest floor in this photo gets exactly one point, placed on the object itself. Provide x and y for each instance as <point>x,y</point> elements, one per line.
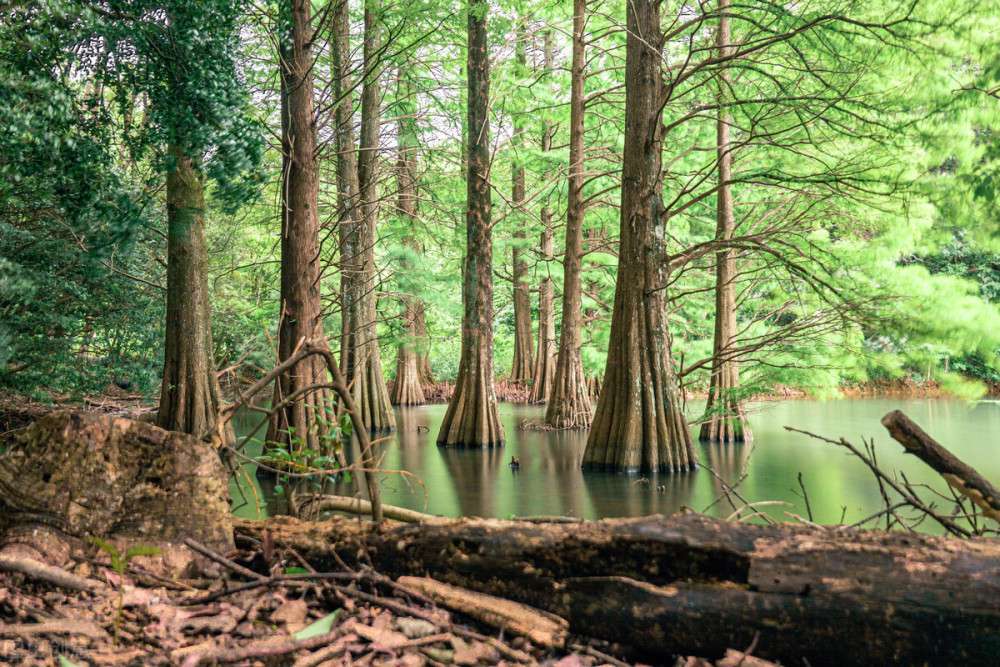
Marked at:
<point>230,612</point>
<point>255,606</point>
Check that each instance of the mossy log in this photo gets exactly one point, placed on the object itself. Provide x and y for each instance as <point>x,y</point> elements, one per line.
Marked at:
<point>77,474</point>
<point>693,585</point>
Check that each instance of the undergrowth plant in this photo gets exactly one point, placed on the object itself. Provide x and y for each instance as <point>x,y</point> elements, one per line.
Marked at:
<point>119,563</point>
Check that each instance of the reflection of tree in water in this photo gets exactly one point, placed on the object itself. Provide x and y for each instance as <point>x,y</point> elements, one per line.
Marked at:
<point>473,473</point>
<point>612,496</point>
<point>551,461</point>
<point>408,452</point>
<point>412,436</point>
<point>729,460</point>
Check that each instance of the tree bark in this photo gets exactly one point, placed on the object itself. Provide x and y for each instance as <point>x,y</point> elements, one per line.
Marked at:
<point>692,585</point>
<point>301,425</point>
<point>569,403</point>
<point>408,386</point>
<point>521,366</point>
<point>189,395</point>
<point>639,423</point>
<point>725,413</point>
<point>545,358</point>
<point>360,359</point>
<point>472,419</point>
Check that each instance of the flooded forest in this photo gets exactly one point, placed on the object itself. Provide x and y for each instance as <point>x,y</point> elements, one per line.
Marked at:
<point>487,332</point>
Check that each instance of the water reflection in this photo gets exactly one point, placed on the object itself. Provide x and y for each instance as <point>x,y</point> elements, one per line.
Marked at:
<point>549,481</point>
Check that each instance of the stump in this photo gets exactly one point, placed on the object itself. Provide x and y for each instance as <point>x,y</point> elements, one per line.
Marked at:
<point>77,474</point>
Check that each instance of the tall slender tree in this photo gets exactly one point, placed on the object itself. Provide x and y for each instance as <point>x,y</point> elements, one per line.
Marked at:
<point>189,395</point>
<point>569,403</point>
<point>176,63</point>
<point>360,360</point>
<point>302,423</point>
<point>521,366</point>
<point>545,357</point>
<point>639,423</point>
<point>408,386</point>
<point>726,417</point>
<point>472,419</point>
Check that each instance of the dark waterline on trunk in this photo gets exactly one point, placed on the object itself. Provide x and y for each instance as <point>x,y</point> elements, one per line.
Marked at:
<point>479,482</point>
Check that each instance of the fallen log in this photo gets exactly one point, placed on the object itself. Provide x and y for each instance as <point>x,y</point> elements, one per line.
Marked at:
<point>693,585</point>
<point>962,477</point>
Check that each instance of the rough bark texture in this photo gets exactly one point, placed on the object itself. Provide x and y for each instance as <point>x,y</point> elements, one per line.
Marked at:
<point>725,414</point>
<point>408,389</point>
<point>639,423</point>
<point>360,359</point>
<point>521,366</point>
<point>189,395</point>
<point>594,387</point>
<point>692,585</point>
<point>545,357</point>
<point>472,419</point>
<point>408,386</point>
<point>299,425</point>
<point>569,403</point>
<point>79,474</point>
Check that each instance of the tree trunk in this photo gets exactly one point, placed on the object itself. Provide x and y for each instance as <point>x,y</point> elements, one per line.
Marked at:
<point>301,425</point>
<point>420,331</point>
<point>521,367</point>
<point>360,360</point>
<point>545,357</point>
<point>189,395</point>
<point>569,403</point>
<point>472,419</point>
<point>692,585</point>
<point>639,423</point>
<point>725,413</point>
<point>408,386</point>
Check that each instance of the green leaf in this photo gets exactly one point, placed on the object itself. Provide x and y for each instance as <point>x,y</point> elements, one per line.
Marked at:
<point>108,548</point>
<point>296,570</point>
<point>142,551</point>
<point>66,662</point>
<point>320,627</point>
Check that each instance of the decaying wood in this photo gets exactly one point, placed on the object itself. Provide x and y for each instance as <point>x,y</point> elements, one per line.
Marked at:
<point>542,628</point>
<point>53,575</point>
<point>959,475</point>
<point>311,505</point>
<point>79,474</point>
<point>692,585</point>
<point>56,627</point>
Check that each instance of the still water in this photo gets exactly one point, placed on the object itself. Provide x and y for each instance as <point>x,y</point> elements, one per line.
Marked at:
<point>550,482</point>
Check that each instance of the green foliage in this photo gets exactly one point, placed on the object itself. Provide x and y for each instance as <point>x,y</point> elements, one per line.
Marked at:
<point>890,187</point>
<point>119,563</point>
<point>320,464</point>
<point>89,97</point>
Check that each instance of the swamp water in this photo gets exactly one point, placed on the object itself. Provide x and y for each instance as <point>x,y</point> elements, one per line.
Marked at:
<point>477,482</point>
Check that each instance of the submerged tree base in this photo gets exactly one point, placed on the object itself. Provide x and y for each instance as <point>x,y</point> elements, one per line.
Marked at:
<point>732,426</point>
